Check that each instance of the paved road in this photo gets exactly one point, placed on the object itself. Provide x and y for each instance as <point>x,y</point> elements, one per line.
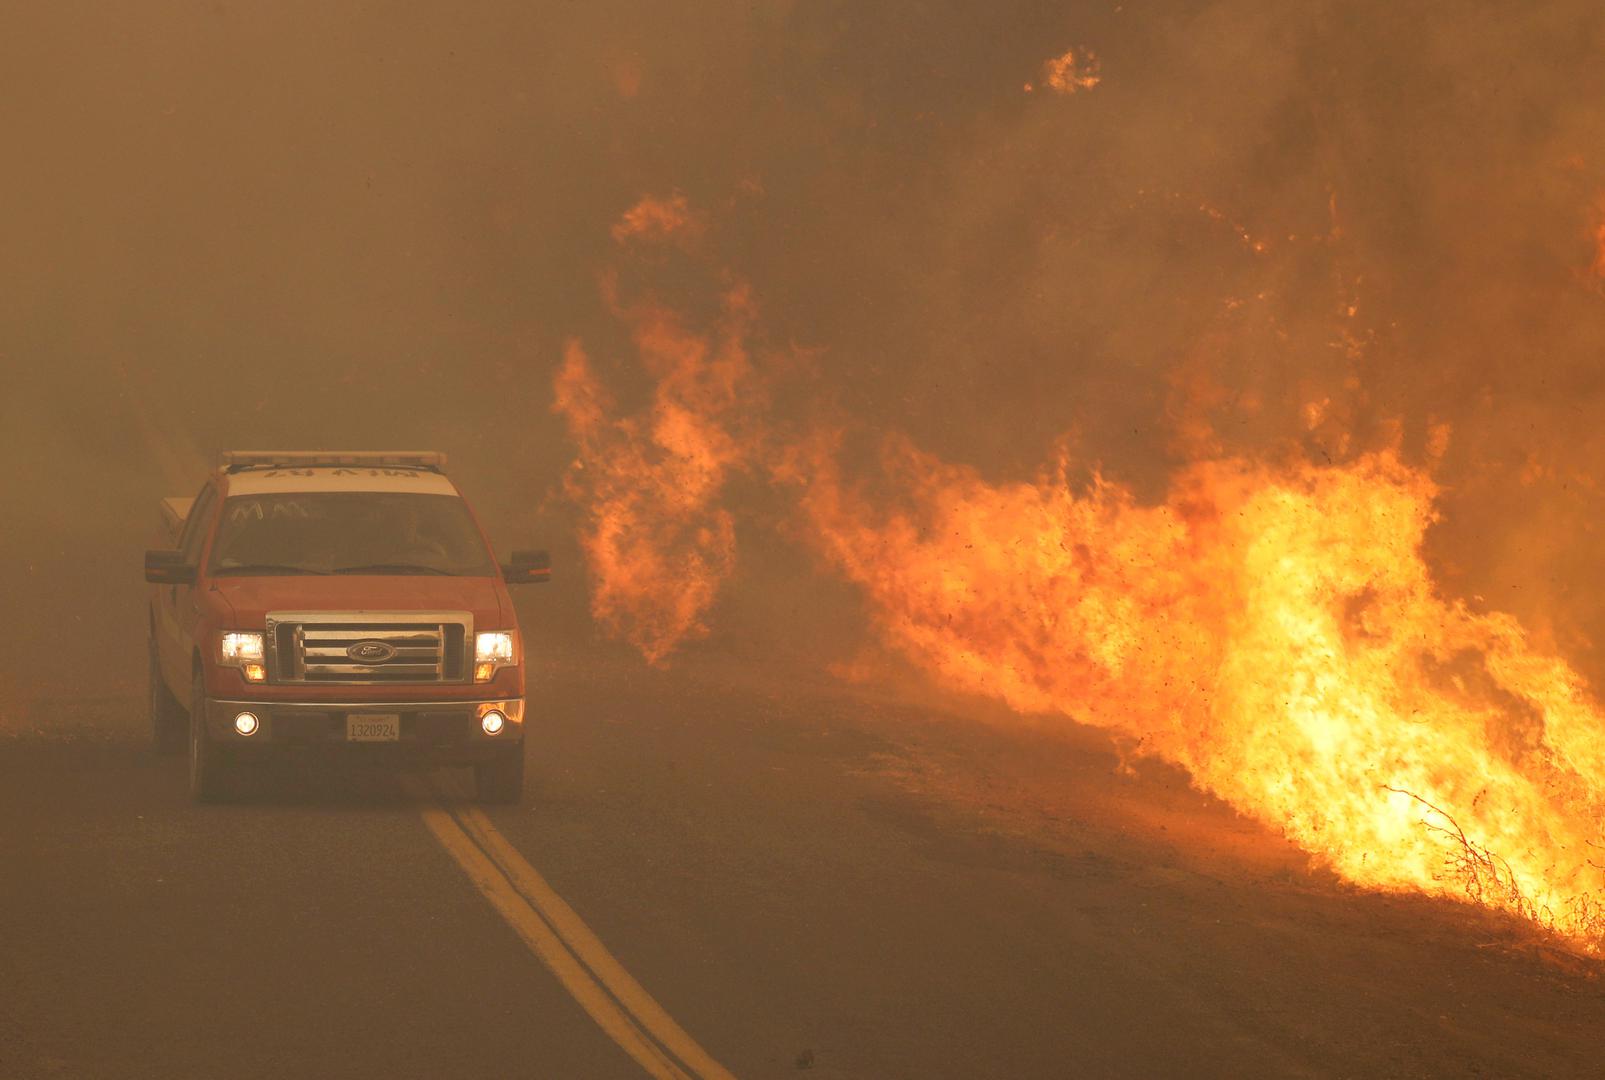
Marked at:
<point>811,881</point>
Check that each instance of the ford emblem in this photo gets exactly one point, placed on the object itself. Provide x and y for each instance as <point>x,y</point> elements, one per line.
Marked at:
<point>371,652</point>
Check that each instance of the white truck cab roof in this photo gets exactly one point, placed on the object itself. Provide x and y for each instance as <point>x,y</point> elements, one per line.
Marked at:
<point>253,472</point>
<point>341,478</point>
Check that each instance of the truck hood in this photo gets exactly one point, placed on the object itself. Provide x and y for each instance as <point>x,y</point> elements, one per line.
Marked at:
<point>252,598</point>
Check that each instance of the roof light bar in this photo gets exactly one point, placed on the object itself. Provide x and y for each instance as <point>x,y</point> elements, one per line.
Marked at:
<point>235,460</point>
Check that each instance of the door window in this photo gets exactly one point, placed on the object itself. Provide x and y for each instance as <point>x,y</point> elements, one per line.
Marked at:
<point>195,526</point>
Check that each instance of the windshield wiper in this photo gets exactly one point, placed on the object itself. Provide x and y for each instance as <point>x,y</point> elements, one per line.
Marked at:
<point>393,568</point>
<point>268,568</point>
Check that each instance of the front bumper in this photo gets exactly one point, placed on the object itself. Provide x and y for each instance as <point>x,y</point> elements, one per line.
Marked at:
<point>441,732</point>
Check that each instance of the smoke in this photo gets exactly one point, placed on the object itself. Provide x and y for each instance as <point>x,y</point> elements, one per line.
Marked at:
<point>230,225</point>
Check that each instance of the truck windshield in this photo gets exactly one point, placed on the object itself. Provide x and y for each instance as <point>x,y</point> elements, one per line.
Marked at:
<point>348,532</point>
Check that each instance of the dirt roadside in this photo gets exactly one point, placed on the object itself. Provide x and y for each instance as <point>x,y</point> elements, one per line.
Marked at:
<point>1342,981</point>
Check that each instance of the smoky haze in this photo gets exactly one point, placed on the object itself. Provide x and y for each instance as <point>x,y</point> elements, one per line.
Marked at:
<point>1269,229</point>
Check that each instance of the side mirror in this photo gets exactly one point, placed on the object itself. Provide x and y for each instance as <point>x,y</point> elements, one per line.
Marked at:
<point>168,568</point>
<point>528,568</point>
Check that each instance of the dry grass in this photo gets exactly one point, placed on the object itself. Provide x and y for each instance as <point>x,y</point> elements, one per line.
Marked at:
<point>1487,879</point>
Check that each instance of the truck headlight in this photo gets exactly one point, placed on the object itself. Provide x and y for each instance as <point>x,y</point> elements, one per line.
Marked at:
<point>492,650</point>
<point>495,647</point>
<point>244,651</point>
<point>240,648</point>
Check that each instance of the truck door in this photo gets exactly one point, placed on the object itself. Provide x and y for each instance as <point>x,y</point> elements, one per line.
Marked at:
<point>177,602</point>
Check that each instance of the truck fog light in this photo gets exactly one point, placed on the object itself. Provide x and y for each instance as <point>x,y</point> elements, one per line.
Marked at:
<point>255,672</point>
<point>493,722</point>
<point>246,723</point>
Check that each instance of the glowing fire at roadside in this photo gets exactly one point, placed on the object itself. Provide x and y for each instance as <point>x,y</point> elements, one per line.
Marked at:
<point>657,542</point>
<point>1273,629</point>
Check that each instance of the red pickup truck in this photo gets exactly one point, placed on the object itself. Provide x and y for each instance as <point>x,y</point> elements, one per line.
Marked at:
<point>342,603</point>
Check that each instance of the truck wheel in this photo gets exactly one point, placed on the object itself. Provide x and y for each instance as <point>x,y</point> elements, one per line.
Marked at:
<point>210,778</point>
<point>501,780</point>
<point>169,728</point>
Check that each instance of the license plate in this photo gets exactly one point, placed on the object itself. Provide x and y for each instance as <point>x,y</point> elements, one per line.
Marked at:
<point>373,727</point>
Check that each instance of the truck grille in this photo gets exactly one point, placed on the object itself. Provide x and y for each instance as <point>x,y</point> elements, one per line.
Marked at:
<point>323,648</point>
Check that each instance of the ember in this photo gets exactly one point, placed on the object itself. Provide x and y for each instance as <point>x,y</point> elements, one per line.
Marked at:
<point>1069,72</point>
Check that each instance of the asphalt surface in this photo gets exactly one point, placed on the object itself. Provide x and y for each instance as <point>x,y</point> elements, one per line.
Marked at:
<point>811,879</point>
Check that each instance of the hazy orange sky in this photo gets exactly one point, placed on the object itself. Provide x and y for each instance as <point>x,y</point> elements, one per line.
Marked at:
<point>313,224</point>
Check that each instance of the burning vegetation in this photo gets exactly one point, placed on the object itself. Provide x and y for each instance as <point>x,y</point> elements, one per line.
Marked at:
<point>1274,631</point>
<point>657,540</point>
<point>1270,624</point>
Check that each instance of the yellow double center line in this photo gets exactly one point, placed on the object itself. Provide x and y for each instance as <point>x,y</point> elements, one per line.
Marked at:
<point>562,941</point>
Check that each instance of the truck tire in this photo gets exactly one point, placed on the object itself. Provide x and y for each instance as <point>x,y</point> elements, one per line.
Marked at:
<point>210,777</point>
<point>501,780</point>
<point>169,727</point>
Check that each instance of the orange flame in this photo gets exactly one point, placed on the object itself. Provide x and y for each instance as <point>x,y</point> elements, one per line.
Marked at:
<point>1276,633</point>
<point>658,544</point>
<point>1273,629</point>
<point>660,220</point>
